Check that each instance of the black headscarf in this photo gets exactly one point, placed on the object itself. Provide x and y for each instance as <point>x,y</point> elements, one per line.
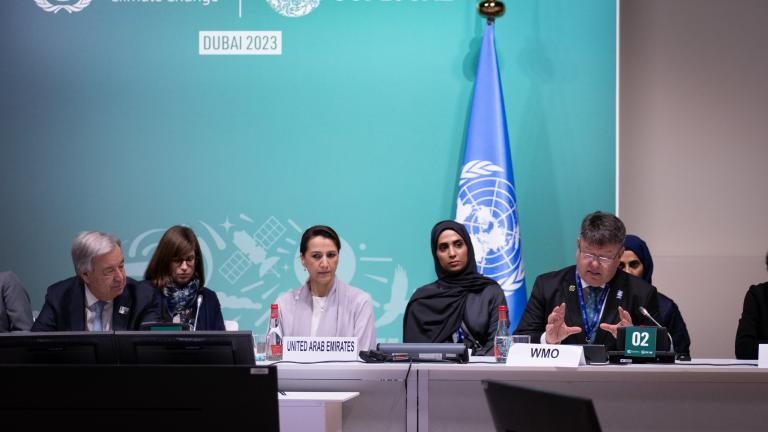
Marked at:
<point>638,246</point>
<point>435,311</point>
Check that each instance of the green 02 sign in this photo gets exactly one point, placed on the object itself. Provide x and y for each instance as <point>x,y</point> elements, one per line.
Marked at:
<point>640,341</point>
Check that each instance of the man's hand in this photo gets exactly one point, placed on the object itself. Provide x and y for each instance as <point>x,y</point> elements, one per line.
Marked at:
<point>625,321</point>
<point>556,329</point>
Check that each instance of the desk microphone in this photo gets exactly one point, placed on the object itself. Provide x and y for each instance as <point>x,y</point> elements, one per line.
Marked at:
<point>197,312</point>
<point>645,313</point>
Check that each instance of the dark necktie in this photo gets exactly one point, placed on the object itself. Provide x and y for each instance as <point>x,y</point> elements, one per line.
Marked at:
<point>593,308</point>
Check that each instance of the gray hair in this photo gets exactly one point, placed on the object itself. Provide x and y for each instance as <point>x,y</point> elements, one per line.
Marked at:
<point>601,229</point>
<point>90,244</point>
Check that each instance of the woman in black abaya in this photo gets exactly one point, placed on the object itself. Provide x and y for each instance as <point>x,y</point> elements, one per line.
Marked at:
<point>462,305</point>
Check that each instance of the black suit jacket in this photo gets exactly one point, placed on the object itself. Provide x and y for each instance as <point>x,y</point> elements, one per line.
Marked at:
<point>753,325</point>
<point>64,308</point>
<point>209,318</point>
<point>551,289</point>
<point>671,318</point>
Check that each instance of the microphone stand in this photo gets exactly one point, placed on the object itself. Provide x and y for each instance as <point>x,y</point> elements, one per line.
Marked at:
<point>197,312</point>
<point>645,313</point>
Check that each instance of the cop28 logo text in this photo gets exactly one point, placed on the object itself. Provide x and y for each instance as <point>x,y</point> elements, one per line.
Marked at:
<point>67,6</point>
<point>293,8</point>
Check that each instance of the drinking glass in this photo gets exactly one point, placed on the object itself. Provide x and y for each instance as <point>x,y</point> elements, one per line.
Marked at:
<point>260,347</point>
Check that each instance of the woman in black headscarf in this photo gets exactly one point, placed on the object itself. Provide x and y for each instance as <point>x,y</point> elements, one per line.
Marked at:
<point>637,260</point>
<point>461,305</point>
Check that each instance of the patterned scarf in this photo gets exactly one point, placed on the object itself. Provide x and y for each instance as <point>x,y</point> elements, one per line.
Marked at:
<point>181,302</point>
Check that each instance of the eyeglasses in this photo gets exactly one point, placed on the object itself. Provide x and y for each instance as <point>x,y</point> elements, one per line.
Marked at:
<point>601,259</point>
<point>190,260</point>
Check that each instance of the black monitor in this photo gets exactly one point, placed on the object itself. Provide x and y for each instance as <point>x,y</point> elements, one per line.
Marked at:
<point>522,409</point>
<point>200,348</point>
<point>164,326</point>
<point>134,397</point>
<point>57,348</point>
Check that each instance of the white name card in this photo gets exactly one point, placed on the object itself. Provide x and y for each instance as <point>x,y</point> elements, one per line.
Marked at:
<point>310,349</point>
<point>762,356</point>
<point>545,355</point>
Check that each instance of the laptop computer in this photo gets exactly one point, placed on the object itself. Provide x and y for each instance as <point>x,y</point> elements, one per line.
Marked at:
<point>520,409</point>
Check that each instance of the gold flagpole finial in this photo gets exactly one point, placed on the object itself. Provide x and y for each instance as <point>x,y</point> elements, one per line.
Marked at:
<point>491,9</point>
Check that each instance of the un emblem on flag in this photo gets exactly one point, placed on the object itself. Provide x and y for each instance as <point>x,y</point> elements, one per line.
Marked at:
<point>486,205</point>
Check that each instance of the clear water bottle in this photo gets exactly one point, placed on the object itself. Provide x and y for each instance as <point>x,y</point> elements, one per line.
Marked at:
<point>501,342</point>
<point>274,336</point>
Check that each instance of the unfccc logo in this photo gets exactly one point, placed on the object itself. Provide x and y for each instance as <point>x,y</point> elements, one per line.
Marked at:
<point>69,6</point>
<point>293,8</point>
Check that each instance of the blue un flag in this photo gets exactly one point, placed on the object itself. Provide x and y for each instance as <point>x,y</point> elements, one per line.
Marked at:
<point>487,204</point>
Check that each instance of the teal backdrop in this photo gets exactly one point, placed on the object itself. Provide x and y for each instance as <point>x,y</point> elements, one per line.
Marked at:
<point>112,121</point>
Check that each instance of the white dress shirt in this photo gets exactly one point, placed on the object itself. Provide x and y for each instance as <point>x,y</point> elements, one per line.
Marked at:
<point>90,312</point>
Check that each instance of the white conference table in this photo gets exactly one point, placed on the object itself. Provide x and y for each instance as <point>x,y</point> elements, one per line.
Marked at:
<point>449,397</point>
<point>312,411</point>
<point>383,403</point>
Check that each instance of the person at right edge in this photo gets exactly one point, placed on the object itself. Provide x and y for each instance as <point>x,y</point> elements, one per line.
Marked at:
<point>753,325</point>
<point>588,302</point>
<point>462,305</point>
<point>15,310</point>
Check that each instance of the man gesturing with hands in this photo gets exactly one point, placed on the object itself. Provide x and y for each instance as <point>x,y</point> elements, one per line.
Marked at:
<point>588,302</point>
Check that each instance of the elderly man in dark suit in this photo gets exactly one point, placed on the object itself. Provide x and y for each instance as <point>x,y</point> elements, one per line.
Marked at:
<point>588,302</point>
<point>100,297</point>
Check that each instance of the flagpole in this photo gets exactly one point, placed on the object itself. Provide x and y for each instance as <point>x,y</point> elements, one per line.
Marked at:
<point>486,201</point>
<point>490,9</point>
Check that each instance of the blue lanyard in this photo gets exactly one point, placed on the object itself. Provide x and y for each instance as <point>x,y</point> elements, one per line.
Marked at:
<point>590,328</point>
